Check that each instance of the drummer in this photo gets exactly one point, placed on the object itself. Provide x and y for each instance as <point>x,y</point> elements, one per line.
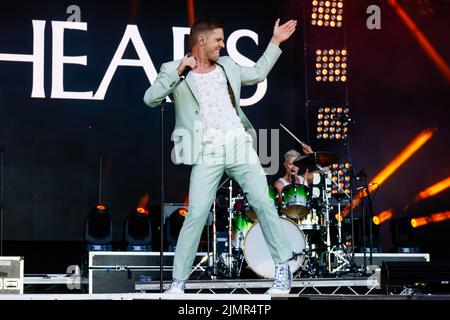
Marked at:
<point>292,171</point>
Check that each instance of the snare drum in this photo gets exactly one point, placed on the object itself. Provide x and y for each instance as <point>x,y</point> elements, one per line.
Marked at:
<point>295,199</point>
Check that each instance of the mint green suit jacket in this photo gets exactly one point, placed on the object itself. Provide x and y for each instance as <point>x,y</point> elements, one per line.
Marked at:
<point>187,135</point>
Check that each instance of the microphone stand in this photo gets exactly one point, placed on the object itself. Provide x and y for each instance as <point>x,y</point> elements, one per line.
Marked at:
<point>370,215</point>
<point>162,215</point>
<point>353,183</point>
<point>2,202</point>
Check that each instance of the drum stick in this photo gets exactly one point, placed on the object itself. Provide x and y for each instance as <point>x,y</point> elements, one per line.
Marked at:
<point>291,134</point>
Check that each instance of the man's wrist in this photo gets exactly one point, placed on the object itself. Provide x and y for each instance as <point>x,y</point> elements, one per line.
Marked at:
<point>275,41</point>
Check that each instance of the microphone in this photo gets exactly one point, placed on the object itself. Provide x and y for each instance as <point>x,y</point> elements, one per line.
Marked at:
<point>292,177</point>
<point>186,69</point>
<point>369,185</point>
<point>185,72</point>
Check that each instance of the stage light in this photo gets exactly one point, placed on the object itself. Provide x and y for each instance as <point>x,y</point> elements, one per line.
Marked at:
<point>98,229</point>
<point>434,218</point>
<point>173,226</point>
<point>433,190</point>
<point>138,230</point>
<point>383,216</point>
<point>393,166</point>
<point>327,13</point>
<point>340,174</point>
<point>332,123</point>
<point>331,65</point>
<point>423,41</point>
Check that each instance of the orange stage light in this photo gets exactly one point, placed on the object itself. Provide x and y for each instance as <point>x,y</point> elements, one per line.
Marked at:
<point>422,40</point>
<point>433,190</point>
<point>434,218</point>
<point>383,216</point>
<point>393,166</point>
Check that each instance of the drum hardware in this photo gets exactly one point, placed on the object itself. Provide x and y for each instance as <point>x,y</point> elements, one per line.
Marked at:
<point>213,258</point>
<point>338,252</point>
<point>229,264</point>
<point>339,198</point>
<point>317,161</point>
<point>310,161</point>
<point>315,258</point>
<point>230,220</point>
<point>333,251</point>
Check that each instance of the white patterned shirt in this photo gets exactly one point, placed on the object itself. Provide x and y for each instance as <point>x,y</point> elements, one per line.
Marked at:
<point>220,122</point>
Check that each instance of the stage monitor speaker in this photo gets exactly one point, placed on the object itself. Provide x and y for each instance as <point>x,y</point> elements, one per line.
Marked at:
<point>379,258</point>
<point>426,277</point>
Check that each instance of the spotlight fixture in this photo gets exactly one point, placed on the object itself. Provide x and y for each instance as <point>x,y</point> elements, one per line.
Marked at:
<point>138,230</point>
<point>340,174</point>
<point>327,13</point>
<point>173,226</point>
<point>331,65</point>
<point>98,229</point>
<point>332,123</point>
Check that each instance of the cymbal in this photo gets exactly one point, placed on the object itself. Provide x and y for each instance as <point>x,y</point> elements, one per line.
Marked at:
<point>322,158</point>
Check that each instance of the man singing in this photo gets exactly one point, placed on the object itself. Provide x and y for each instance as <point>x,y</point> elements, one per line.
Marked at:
<point>210,134</point>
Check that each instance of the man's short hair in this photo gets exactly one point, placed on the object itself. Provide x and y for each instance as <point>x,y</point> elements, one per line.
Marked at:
<point>291,153</point>
<point>202,25</point>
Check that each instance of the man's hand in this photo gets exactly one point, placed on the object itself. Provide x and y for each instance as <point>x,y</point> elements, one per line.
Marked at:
<point>306,149</point>
<point>283,32</point>
<point>187,61</point>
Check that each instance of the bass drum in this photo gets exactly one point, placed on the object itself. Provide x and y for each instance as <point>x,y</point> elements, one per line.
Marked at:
<point>257,254</point>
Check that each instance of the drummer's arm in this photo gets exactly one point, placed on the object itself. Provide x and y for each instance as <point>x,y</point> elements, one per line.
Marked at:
<point>309,177</point>
<point>278,185</point>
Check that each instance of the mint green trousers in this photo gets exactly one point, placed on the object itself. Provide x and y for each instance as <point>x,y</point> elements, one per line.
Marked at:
<point>239,160</point>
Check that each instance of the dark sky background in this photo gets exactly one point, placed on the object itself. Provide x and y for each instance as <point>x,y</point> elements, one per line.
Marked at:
<point>52,145</point>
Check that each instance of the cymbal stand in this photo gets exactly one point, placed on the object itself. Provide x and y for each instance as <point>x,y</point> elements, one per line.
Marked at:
<point>212,257</point>
<point>339,210</point>
<point>230,222</point>
<point>213,261</point>
<point>342,262</point>
<point>326,201</point>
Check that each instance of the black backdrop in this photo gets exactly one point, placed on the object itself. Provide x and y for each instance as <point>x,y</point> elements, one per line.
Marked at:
<point>52,145</point>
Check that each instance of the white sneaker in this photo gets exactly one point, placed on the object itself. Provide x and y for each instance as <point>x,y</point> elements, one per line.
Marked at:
<point>283,280</point>
<point>177,287</point>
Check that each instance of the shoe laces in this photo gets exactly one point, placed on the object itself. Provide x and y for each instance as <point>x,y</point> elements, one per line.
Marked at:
<point>180,284</point>
<point>282,276</point>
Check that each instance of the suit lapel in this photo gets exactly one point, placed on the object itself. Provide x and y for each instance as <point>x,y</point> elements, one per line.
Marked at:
<point>231,83</point>
<point>192,87</point>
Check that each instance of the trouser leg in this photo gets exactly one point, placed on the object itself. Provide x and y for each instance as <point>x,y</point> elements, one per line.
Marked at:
<point>204,181</point>
<point>248,172</point>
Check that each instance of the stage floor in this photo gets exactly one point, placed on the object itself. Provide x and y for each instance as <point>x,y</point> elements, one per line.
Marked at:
<point>218,297</point>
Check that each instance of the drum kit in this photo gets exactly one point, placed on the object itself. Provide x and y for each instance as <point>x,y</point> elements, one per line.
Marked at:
<point>304,215</point>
